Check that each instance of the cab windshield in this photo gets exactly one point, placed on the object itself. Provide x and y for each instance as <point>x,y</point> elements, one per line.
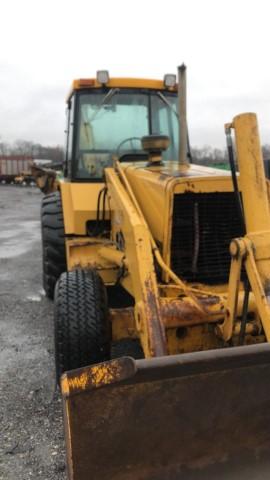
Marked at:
<point>113,123</point>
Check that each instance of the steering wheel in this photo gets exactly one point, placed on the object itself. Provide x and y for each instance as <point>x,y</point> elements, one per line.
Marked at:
<point>130,139</point>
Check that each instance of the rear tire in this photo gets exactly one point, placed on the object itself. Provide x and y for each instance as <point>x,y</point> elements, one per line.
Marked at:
<point>82,327</point>
<point>53,241</point>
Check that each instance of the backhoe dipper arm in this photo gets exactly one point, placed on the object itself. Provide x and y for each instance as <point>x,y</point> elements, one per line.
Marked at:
<point>253,250</point>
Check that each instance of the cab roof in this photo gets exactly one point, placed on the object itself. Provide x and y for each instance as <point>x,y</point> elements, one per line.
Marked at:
<point>89,83</point>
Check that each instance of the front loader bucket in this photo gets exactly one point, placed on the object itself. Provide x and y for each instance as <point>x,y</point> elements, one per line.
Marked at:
<point>202,415</point>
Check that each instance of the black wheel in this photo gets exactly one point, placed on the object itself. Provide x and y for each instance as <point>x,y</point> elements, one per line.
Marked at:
<point>53,241</point>
<point>82,326</point>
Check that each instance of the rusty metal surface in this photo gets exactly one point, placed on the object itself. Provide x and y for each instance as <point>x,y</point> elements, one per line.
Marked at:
<point>187,417</point>
<point>155,326</point>
<point>45,179</point>
<point>123,323</point>
<point>96,376</point>
<point>177,312</point>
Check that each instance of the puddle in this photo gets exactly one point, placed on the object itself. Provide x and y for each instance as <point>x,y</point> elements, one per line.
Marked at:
<point>18,239</point>
<point>6,234</point>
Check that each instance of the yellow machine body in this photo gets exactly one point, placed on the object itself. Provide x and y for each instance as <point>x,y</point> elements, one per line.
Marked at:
<point>79,205</point>
<point>196,406</point>
<point>145,83</point>
<point>154,188</point>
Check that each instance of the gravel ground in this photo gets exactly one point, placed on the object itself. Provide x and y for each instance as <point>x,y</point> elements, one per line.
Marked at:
<point>31,442</point>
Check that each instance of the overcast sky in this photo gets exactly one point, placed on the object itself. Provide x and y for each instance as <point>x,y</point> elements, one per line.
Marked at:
<point>45,44</point>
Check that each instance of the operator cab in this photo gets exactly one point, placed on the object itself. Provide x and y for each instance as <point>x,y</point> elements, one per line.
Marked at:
<point>109,119</point>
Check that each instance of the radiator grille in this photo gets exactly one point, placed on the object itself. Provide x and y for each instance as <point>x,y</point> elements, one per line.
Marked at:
<point>203,226</point>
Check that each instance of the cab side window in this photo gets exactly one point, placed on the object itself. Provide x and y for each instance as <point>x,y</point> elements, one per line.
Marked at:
<point>69,136</point>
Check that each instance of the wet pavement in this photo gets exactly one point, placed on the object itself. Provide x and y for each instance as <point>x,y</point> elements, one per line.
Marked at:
<point>31,440</point>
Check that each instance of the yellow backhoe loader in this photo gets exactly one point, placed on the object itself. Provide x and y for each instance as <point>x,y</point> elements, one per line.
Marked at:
<point>160,272</point>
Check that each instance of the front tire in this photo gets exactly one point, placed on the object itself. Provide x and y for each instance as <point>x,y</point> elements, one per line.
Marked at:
<point>82,327</point>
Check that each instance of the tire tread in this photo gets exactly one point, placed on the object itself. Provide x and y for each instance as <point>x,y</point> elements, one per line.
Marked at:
<point>82,328</point>
<point>53,241</point>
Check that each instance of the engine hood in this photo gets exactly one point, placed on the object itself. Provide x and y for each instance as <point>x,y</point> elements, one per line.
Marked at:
<point>154,188</point>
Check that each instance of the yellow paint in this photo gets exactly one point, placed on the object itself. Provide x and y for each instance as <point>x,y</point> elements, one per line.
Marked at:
<point>123,323</point>
<point>83,252</point>
<point>78,382</point>
<point>101,374</point>
<point>192,339</point>
<point>253,250</point>
<point>252,177</point>
<point>138,251</point>
<point>120,83</point>
<point>94,376</point>
<point>79,202</point>
<point>154,190</point>
<point>259,281</point>
<point>141,202</point>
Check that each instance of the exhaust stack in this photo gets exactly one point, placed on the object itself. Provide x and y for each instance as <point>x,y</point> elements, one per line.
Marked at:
<point>182,112</point>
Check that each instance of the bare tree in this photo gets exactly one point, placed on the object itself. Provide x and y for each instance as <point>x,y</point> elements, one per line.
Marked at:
<point>4,148</point>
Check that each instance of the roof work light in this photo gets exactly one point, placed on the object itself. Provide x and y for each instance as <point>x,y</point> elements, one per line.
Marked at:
<point>169,80</point>
<point>103,77</point>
